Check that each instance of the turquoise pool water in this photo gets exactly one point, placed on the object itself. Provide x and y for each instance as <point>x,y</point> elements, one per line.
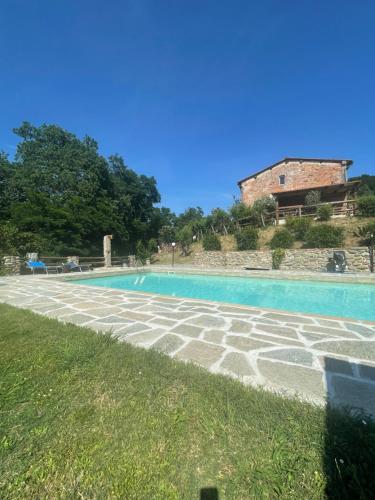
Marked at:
<point>331,299</point>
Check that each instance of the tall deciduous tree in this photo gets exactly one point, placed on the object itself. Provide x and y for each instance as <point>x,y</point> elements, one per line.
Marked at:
<point>61,188</point>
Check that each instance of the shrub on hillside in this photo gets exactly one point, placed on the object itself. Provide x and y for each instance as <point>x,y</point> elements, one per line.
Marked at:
<point>282,239</point>
<point>324,236</point>
<point>298,226</point>
<point>152,246</point>
<point>185,237</point>
<point>141,252</point>
<point>324,212</point>
<point>277,257</point>
<point>247,239</point>
<point>263,208</point>
<point>366,233</point>
<point>211,242</point>
<point>366,206</point>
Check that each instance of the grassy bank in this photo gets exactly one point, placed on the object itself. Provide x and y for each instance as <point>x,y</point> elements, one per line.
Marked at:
<point>82,416</point>
<point>350,226</point>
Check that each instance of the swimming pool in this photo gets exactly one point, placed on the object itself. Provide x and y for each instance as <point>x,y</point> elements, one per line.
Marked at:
<point>346,300</point>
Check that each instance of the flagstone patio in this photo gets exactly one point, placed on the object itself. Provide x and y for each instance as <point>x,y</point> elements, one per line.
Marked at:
<point>313,357</point>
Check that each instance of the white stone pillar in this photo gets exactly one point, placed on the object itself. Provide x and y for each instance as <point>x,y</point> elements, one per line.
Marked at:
<point>11,264</point>
<point>107,250</point>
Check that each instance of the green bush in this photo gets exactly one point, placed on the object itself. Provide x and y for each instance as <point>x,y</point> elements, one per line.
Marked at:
<point>247,239</point>
<point>324,236</point>
<point>211,242</point>
<point>367,233</point>
<point>141,252</point>
<point>263,208</point>
<point>324,212</point>
<point>152,246</point>
<point>185,237</point>
<point>366,206</point>
<point>277,257</point>
<point>298,226</point>
<point>16,242</point>
<point>282,239</point>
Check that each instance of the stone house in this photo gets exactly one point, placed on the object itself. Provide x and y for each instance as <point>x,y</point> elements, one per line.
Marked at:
<point>290,179</point>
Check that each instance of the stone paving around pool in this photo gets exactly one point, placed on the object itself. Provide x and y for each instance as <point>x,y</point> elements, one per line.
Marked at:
<point>294,354</point>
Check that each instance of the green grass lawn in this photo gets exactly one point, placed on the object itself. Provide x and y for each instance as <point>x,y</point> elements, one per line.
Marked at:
<point>82,416</point>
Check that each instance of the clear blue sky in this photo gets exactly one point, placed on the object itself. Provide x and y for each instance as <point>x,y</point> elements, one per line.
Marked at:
<point>198,93</point>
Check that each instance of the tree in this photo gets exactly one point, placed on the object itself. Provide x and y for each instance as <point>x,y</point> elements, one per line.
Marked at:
<point>366,206</point>
<point>164,223</point>
<point>62,189</point>
<point>239,211</point>
<point>167,235</point>
<point>220,221</point>
<point>15,242</point>
<point>5,185</point>
<point>185,237</point>
<point>194,218</point>
<point>263,208</point>
<point>190,215</point>
<point>367,185</point>
<point>135,195</point>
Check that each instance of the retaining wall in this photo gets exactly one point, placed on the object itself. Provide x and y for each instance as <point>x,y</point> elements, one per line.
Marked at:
<point>311,259</point>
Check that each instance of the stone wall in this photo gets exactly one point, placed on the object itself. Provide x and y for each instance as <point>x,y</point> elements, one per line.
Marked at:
<point>312,259</point>
<point>316,259</point>
<point>11,264</point>
<point>252,258</point>
<point>298,175</point>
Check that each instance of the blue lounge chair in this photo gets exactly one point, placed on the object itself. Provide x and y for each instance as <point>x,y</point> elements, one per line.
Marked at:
<point>39,265</point>
<point>36,265</point>
<point>71,267</point>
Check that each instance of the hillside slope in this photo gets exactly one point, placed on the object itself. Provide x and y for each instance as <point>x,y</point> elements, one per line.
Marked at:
<point>228,243</point>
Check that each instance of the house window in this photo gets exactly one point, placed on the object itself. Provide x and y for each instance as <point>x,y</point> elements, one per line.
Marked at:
<point>281,179</point>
